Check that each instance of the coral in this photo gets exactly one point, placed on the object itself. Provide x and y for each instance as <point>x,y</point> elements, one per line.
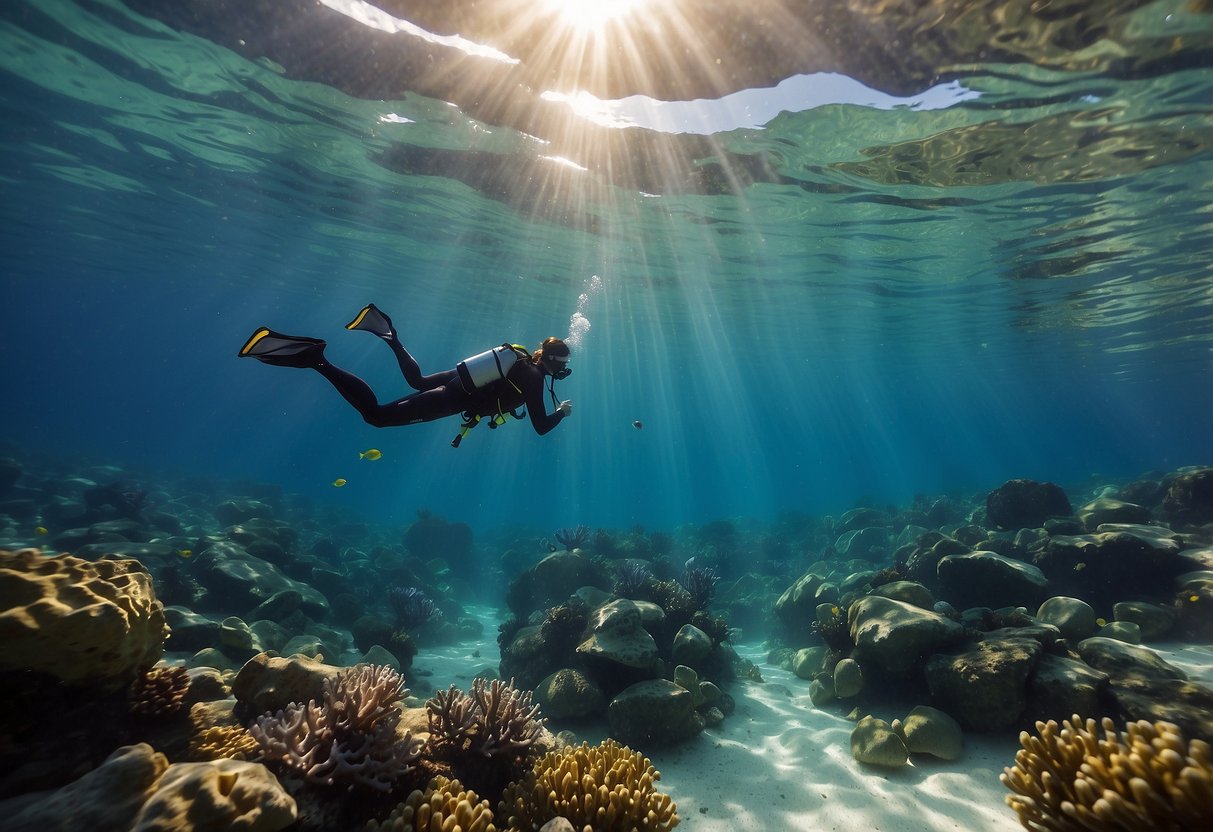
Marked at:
<point>83,622</point>
<point>717,627</point>
<point>160,691</point>
<point>1147,777</point>
<point>412,607</point>
<point>445,804</point>
<point>700,583</point>
<point>495,720</point>
<point>219,742</point>
<point>573,538</point>
<point>632,580</point>
<point>563,626</point>
<point>607,788</point>
<point>350,738</point>
<point>671,597</point>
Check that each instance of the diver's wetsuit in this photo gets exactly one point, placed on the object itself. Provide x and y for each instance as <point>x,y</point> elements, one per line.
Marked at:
<point>442,394</point>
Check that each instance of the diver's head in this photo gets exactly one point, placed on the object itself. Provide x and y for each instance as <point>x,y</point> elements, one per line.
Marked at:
<point>553,357</point>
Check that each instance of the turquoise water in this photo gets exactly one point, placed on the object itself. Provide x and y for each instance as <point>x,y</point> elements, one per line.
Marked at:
<point>1005,277</point>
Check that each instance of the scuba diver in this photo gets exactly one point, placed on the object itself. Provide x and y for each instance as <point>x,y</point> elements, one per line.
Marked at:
<point>492,385</point>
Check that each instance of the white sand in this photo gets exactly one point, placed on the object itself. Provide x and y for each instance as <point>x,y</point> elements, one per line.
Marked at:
<point>779,763</point>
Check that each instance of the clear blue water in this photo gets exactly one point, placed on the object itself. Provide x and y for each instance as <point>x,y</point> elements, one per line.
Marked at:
<point>849,302</point>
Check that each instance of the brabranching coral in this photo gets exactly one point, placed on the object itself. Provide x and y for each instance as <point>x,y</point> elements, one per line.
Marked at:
<point>444,805</point>
<point>494,720</point>
<point>160,691</point>
<point>220,742</point>
<point>1146,777</point>
<point>350,738</point>
<point>603,788</point>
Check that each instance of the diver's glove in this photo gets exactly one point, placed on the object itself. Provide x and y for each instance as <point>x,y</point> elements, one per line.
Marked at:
<point>565,408</point>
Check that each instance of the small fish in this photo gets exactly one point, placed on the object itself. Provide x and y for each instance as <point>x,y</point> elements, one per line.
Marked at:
<point>40,530</point>
<point>1102,622</point>
<point>185,553</point>
<point>337,483</point>
<point>637,424</point>
<point>1193,598</point>
<point>372,454</point>
<point>1078,567</point>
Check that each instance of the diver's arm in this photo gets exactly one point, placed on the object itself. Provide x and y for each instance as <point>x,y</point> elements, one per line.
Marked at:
<point>541,420</point>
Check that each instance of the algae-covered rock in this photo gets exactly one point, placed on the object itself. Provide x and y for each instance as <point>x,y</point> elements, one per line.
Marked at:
<point>268,683</point>
<point>848,679</point>
<point>1125,631</point>
<point>619,636</point>
<point>987,579</point>
<point>1060,686</point>
<point>691,645</point>
<point>653,713</point>
<point>217,795</point>
<point>1154,620</point>
<point>897,636</point>
<point>1109,510</point>
<point>874,742</point>
<point>985,687</point>
<point>81,622</point>
<point>929,730</point>
<point>1073,617</point>
<point>569,694</point>
<point>1024,503</point>
<point>911,592</point>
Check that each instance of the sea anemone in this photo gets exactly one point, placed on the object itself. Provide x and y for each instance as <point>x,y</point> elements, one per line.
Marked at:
<point>700,582</point>
<point>412,606</point>
<point>632,579</point>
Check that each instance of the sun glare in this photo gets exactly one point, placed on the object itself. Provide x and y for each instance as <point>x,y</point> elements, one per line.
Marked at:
<point>592,15</point>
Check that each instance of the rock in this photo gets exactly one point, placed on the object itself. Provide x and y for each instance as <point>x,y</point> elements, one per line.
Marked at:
<point>557,825</point>
<point>231,512</point>
<point>928,730</point>
<point>848,679</point>
<point>1118,660</point>
<point>807,662</point>
<point>211,657</point>
<point>910,592</point>
<point>985,687</point>
<point>1157,699</point>
<point>656,712</point>
<point>1061,687</point>
<point>984,579</point>
<point>896,636</point>
<point>217,795</point>
<point>569,694</point>
<point>431,536</point>
<point>619,637</point>
<point>1155,621</point>
<point>1074,618</point>
<point>651,615</point>
<point>378,654</point>
<point>1109,510</point>
<point>242,581</point>
<point>687,679</point>
<point>83,623</point>
<point>871,543</point>
<point>235,635</point>
<point>278,606</point>
<point>190,630</point>
<point>874,742</point>
<point>691,645</point>
<point>795,606</point>
<point>107,798</point>
<point>821,690</point>
<point>1115,563</point>
<point>552,581</point>
<point>1189,498</point>
<point>1018,504</point>
<point>270,684</point>
<point>1125,631</point>
<point>270,634</point>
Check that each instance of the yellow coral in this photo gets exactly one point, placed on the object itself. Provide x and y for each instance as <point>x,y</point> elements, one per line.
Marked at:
<point>1147,777</point>
<point>223,742</point>
<point>160,691</point>
<point>604,788</point>
<point>443,807</point>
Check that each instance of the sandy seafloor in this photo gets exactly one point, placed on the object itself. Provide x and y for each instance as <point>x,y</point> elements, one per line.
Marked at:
<point>779,763</point>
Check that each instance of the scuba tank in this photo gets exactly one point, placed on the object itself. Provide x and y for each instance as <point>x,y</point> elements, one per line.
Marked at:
<point>487,367</point>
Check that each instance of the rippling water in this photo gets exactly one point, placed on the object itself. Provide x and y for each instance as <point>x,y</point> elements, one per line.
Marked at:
<point>945,251</point>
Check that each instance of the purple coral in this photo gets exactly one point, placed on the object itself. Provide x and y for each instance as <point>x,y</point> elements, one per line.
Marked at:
<point>350,738</point>
<point>573,538</point>
<point>412,606</point>
<point>494,720</point>
<point>632,579</point>
<point>700,583</point>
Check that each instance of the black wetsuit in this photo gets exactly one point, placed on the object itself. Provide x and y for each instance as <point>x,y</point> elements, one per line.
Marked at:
<point>442,394</point>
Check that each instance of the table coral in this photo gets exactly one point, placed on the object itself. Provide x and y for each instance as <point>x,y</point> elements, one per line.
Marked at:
<point>82,622</point>
<point>445,804</point>
<point>603,788</point>
<point>350,738</point>
<point>1147,777</point>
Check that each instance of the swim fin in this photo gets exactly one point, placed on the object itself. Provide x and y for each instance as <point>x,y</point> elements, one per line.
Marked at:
<point>283,350</point>
<point>371,319</point>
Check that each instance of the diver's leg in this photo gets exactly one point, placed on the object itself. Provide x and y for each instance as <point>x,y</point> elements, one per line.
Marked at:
<point>412,370</point>
<point>419,407</point>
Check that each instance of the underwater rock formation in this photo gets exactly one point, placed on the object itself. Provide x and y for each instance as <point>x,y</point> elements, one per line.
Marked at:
<point>96,623</point>
<point>1020,504</point>
<point>654,712</point>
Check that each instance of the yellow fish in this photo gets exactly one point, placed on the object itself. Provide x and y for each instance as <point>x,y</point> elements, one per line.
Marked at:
<point>1078,567</point>
<point>185,553</point>
<point>1102,622</point>
<point>337,483</point>
<point>372,454</point>
<point>1193,598</point>
<point>40,530</point>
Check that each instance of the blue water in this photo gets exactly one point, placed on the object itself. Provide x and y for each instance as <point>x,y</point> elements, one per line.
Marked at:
<point>849,303</point>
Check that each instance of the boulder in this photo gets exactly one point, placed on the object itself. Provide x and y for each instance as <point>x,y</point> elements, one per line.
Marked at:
<point>1118,659</point>
<point>875,743</point>
<point>1189,498</point>
<point>848,679</point>
<point>794,608</point>
<point>929,730</point>
<point>569,694</point>
<point>870,543</point>
<point>551,581</point>
<point>985,687</point>
<point>910,592</point>
<point>1108,510</point>
<point>984,579</point>
<point>1116,562</point>
<point>95,623</point>
<point>691,645</point>
<point>1125,631</point>
<point>1154,620</point>
<point>618,636</point>
<point>268,683</point>
<point>1060,687</point>
<point>1023,503</point>
<point>807,662</point>
<point>895,636</point>
<point>190,630</point>
<point>231,512</point>
<point>1074,618</point>
<point>217,795</point>
<point>241,581</point>
<point>655,712</point>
